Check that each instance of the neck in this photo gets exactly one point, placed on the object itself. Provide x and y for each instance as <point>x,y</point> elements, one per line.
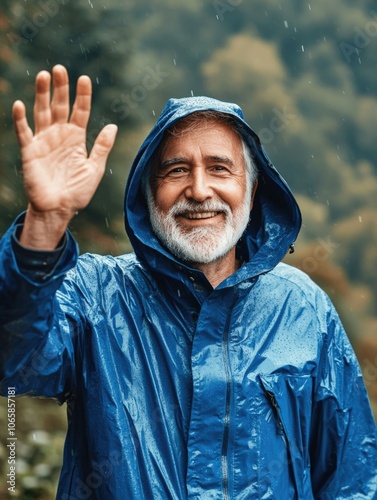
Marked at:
<point>219,270</point>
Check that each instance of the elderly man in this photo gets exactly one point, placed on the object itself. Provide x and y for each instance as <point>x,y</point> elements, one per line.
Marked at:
<point>199,366</point>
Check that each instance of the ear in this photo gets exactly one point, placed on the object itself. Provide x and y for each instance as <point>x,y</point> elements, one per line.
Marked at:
<point>253,191</point>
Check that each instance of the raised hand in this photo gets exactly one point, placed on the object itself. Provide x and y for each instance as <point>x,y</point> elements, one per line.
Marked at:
<point>59,176</point>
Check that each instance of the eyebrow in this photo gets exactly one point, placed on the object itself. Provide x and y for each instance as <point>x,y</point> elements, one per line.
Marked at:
<point>221,159</point>
<point>172,161</point>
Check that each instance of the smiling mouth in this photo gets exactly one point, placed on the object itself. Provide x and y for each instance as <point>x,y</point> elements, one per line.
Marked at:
<point>199,215</point>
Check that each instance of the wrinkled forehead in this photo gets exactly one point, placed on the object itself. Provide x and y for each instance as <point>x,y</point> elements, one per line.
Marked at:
<point>198,125</point>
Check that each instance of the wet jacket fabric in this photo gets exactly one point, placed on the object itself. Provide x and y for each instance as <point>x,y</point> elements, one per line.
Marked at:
<point>176,390</point>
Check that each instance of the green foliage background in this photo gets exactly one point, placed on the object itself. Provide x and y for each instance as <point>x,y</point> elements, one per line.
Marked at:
<point>304,74</point>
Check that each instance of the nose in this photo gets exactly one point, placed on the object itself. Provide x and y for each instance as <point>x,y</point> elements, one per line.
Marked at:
<point>198,187</point>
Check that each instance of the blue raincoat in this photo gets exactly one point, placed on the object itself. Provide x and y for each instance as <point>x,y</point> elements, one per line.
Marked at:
<point>177,390</point>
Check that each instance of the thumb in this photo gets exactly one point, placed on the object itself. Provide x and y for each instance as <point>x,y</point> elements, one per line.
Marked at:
<point>103,144</point>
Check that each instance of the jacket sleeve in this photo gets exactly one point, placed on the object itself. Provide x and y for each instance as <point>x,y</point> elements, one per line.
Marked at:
<point>36,335</point>
<point>344,437</point>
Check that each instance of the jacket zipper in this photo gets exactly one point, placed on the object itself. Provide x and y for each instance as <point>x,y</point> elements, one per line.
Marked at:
<point>224,449</point>
<point>282,431</point>
<point>276,408</point>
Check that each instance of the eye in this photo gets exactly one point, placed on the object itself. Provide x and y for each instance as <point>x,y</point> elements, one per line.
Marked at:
<point>219,168</point>
<point>176,171</point>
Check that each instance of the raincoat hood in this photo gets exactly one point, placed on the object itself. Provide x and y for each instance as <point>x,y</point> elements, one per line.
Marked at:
<point>275,218</point>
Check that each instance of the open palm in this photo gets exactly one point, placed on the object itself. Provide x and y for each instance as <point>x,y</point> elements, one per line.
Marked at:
<point>59,176</point>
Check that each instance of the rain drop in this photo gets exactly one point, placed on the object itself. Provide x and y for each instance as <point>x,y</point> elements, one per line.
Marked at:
<point>286,24</point>
<point>107,222</point>
<point>192,93</point>
<point>360,218</point>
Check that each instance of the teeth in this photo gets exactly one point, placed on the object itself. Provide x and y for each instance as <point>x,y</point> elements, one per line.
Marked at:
<point>200,215</point>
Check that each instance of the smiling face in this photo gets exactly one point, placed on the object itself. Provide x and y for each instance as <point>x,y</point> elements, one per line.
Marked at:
<point>200,192</point>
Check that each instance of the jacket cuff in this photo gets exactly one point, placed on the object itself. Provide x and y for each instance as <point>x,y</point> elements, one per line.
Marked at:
<point>36,264</point>
<point>39,266</point>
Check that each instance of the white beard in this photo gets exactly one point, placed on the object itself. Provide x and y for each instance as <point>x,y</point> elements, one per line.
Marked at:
<point>204,244</point>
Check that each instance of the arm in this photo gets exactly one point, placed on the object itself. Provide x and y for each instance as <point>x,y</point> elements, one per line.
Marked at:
<point>344,437</point>
<point>37,350</point>
<point>37,344</point>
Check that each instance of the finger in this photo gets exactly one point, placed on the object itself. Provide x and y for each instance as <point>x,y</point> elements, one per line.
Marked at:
<point>102,146</point>
<point>42,110</point>
<point>81,107</point>
<point>23,131</point>
<point>60,98</point>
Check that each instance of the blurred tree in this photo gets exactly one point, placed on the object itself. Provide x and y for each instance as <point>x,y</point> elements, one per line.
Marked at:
<point>84,38</point>
<point>358,247</point>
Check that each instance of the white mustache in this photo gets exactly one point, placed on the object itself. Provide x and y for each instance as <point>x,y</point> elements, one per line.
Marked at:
<point>207,206</point>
